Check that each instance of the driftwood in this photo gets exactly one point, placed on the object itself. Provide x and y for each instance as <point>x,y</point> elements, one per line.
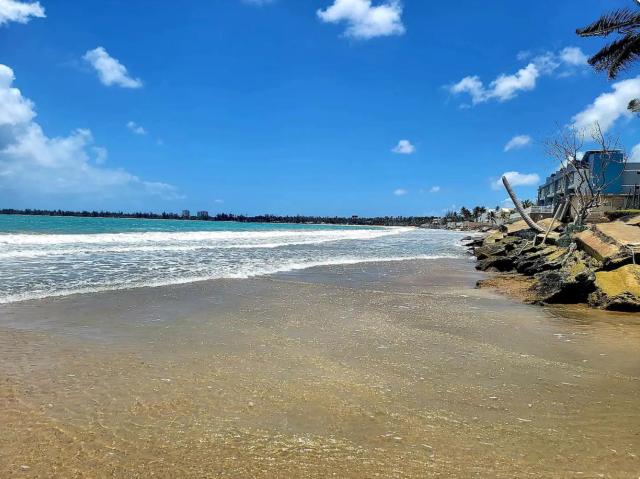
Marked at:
<point>532,224</point>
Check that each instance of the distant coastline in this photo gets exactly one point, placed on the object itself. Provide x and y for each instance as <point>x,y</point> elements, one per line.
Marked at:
<point>228,217</point>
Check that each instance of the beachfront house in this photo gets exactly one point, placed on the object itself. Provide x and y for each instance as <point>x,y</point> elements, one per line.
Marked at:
<point>621,180</point>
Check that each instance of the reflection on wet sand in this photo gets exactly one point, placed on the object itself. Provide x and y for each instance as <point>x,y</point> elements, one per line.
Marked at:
<point>378,370</point>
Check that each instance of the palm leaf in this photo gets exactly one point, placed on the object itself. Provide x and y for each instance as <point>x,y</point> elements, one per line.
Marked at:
<point>622,20</point>
<point>634,105</point>
<point>629,53</point>
<point>604,57</point>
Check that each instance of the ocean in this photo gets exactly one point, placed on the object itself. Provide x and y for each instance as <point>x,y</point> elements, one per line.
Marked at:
<point>43,256</point>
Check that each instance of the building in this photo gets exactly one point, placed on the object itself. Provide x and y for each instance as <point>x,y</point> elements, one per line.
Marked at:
<point>621,180</point>
<point>186,214</point>
<point>203,215</point>
<point>496,217</point>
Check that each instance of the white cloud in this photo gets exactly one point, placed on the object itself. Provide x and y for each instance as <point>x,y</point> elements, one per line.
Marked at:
<point>434,189</point>
<point>506,87</point>
<point>404,147</point>
<point>573,56</point>
<point>400,192</point>
<point>518,141</point>
<point>503,88</point>
<point>14,108</point>
<point>634,156</point>
<point>516,179</point>
<point>101,155</point>
<point>364,20</point>
<point>110,71</point>
<point>31,163</point>
<point>607,108</point>
<point>135,128</point>
<point>20,12</point>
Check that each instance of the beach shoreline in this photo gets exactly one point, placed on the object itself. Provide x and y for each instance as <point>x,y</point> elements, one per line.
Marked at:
<point>381,369</point>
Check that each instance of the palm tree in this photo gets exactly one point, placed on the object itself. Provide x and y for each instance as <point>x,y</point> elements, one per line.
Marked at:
<point>619,53</point>
<point>478,211</point>
<point>527,203</point>
<point>623,51</point>
<point>466,213</point>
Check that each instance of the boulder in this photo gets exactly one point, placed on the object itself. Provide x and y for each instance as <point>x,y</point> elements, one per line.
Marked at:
<point>511,243</point>
<point>495,263</point>
<point>552,238</point>
<point>611,243</point>
<point>493,249</point>
<point>596,246</point>
<point>472,242</point>
<point>618,290</point>
<point>633,220</point>
<point>619,232</point>
<point>493,237</point>
<point>540,259</point>
<point>547,222</point>
<point>516,227</point>
<point>571,284</point>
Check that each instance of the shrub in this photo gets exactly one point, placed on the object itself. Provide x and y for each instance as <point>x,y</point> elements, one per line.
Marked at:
<point>616,215</point>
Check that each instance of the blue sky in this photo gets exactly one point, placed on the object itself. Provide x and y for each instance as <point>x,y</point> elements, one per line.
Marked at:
<point>290,106</point>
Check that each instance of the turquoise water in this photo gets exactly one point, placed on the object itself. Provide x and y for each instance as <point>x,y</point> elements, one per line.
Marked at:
<point>78,225</point>
<point>55,256</point>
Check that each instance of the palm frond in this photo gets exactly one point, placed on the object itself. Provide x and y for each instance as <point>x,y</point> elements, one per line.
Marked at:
<point>617,55</point>
<point>618,21</point>
<point>604,57</point>
<point>634,105</point>
<point>629,53</point>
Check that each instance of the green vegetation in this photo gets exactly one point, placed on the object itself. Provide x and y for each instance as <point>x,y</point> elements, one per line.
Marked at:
<point>297,219</point>
<point>614,215</point>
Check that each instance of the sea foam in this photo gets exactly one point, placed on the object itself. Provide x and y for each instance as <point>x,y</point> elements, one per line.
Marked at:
<point>35,266</point>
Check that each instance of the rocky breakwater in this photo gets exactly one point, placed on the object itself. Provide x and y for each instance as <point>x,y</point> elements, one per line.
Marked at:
<point>596,265</point>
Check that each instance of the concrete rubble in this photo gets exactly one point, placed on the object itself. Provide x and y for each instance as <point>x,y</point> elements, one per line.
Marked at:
<point>595,266</point>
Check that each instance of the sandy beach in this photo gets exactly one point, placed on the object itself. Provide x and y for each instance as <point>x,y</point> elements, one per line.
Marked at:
<point>400,370</point>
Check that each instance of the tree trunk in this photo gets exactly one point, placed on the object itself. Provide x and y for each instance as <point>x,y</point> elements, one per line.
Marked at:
<point>532,224</point>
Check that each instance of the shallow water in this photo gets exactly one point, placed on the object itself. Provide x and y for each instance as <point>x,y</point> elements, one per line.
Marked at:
<point>376,370</point>
<point>44,257</point>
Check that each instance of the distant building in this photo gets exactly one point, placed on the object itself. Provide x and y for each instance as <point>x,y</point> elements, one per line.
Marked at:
<point>186,214</point>
<point>497,217</point>
<point>203,215</point>
<point>622,180</point>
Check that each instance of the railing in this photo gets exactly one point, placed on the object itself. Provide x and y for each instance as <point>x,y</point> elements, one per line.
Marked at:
<point>542,210</point>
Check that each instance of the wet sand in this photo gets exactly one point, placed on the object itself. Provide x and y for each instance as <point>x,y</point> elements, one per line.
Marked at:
<point>375,370</point>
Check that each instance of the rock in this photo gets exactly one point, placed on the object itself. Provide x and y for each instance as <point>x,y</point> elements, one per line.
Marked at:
<point>540,259</point>
<point>516,227</point>
<point>596,246</point>
<point>619,232</point>
<point>511,243</point>
<point>618,290</point>
<point>486,251</point>
<point>493,237</point>
<point>546,223</point>
<point>472,242</point>
<point>569,285</point>
<point>611,243</point>
<point>495,263</point>
<point>552,238</point>
<point>633,220</point>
